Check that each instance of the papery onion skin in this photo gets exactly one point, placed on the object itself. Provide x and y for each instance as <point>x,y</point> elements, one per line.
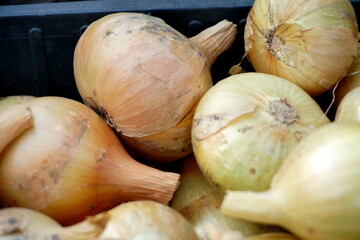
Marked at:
<point>71,159</point>
<point>349,107</point>
<point>144,78</point>
<point>311,43</point>
<point>315,194</point>
<point>198,201</point>
<point>351,80</point>
<point>246,124</point>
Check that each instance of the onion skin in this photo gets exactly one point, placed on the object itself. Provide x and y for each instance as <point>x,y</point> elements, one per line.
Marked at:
<point>323,171</point>
<point>311,43</point>
<point>198,201</point>
<point>144,78</point>
<point>349,107</point>
<point>351,80</point>
<point>74,161</point>
<point>246,124</point>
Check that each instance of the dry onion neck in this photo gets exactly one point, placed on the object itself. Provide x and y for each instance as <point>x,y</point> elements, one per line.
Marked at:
<point>282,111</point>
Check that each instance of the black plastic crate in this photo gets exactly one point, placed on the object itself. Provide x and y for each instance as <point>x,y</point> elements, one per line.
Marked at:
<point>37,41</point>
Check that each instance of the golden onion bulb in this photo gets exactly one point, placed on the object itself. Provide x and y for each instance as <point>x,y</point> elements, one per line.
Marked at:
<point>351,80</point>
<point>311,43</point>
<point>316,192</point>
<point>246,124</point>
<point>144,77</point>
<point>69,164</point>
<point>349,107</point>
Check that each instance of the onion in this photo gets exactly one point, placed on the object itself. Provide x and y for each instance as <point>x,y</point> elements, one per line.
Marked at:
<point>142,219</point>
<point>71,159</point>
<point>145,78</point>
<point>311,43</point>
<point>349,107</point>
<point>351,80</point>
<point>26,222</point>
<point>246,124</point>
<point>199,202</point>
<point>316,192</point>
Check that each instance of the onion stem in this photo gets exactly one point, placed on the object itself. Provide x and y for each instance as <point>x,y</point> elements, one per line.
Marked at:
<point>262,207</point>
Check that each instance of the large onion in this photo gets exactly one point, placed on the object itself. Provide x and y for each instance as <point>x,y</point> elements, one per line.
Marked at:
<point>70,164</point>
<point>311,43</point>
<point>145,78</point>
<point>316,192</point>
<point>198,201</point>
<point>246,124</point>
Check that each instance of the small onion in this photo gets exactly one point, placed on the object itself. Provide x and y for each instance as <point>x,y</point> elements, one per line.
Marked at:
<point>246,124</point>
<point>351,80</point>
<point>198,201</point>
<point>311,43</point>
<point>13,122</point>
<point>140,220</point>
<point>316,192</point>
<point>145,78</point>
<point>349,107</point>
<point>71,159</point>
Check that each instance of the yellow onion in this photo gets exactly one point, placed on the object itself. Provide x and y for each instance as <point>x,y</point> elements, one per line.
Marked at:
<point>311,43</point>
<point>351,80</point>
<point>140,220</point>
<point>198,201</point>
<point>349,107</point>
<point>9,101</point>
<point>145,78</point>
<point>246,124</point>
<point>70,164</point>
<point>316,192</point>
<point>16,222</point>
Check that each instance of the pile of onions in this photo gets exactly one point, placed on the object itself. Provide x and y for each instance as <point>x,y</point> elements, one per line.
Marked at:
<point>311,43</point>
<point>316,192</point>
<point>351,80</point>
<point>145,78</point>
<point>70,159</point>
<point>349,107</point>
<point>246,124</point>
<point>199,202</point>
